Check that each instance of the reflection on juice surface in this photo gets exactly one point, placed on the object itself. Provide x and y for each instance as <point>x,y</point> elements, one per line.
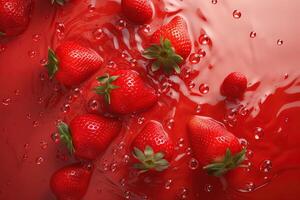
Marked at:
<point>259,39</point>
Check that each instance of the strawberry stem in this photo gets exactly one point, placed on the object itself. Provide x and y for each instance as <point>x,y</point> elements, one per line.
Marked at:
<point>65,136</point>
<point>164,56</point>
<point>228,163</point>
<point>59,2</point>
<point>149,160</point>
<point>106,86</point>
<point>53,63</point>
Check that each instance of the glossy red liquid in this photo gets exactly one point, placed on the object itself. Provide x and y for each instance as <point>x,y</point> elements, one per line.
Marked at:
<point>260,39</point>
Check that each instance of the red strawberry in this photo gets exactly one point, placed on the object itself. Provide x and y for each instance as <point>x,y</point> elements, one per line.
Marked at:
<point>171,45</point>
<point>89,134</point>
<point>216,149</point>
<point>14,16</point>
<point>71,182</point>
<point>125,92</point>
<point>138,11</point>
<point>72,63</point>
<point>152,148</point>
<point>234,85</point>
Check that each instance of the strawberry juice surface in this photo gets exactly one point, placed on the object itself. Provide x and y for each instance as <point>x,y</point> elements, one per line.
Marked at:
<point>256,38</point>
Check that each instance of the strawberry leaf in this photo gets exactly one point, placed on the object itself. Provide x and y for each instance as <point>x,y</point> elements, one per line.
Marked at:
<point>148,160</point>
<point>228,163</point>
<point>53,63</point>
<point>65,136</point>
<point>163,56</point>
<point>106,86</point>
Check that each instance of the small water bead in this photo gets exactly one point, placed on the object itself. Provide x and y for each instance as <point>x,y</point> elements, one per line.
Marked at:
<point>93,104</point>
<point>249,187</point>
<point>77,92</point>
<point>180,142</point>
<point>55,137</point>
<point>279,42</point>
<point>168,184</point>
<point>98,34</point>
<point>60,27</point>
<point>127,194</point>
<point>6,101</point>
<point>147,29</point>
<point>184,193</point>
<point>36,37</point>
<point>40,100</point>
<point>133,62</point>
<point>121,24</point>
<point>141,120</point>
<point>249,153</point>
<point>43,62</point>
<point>170,123</point>
<point>236,14</point>
<point>43,144</point>
<point>126,158</point>
<point>91,8</point>
<point>28,116</point>
<point>113,167</point>
<point>65,108</point>
<point>198,108</point>
<point>266,166</point>
<point>204,39</point>
<point>258,133</point>
<point>214,1</point>
<point>203,88</point>
<point>188,151</point>
<point>39,160</point>
<point>243,142</point>
<point>286,76</point>
<point>202,53</point>
<point>252,34</point>
<point>26,146</point>
<point>32,53</point>
<point>191,85</point>
<point>194,58</point>
<point>193,164</point>
<point>208,188</point>
<point>111,64</point>
<point>25,156</point>
<point>35,124</point>
<point>123,182</point>
<point>17,92</point>
<point>2,48</point>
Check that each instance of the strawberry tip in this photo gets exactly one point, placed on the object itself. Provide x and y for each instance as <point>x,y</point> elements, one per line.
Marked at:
<point>164,56</point>
<point>228,163</point>
<point>148,160</point>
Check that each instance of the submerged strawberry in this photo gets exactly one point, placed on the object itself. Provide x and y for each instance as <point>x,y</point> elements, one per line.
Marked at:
<point>171,44</point>
<point>71,182</point>
<point>152,148</point>
<point>234,85</point>
<point>137,11</point>
<point>14,16</point>
<point>216,149</point>
<point>89,135</point>
<point>125,92</point>
<point>72,63</point>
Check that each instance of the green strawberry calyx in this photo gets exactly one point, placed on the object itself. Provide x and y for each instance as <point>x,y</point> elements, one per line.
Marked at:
<point>65,136</point>
<point>164,56</point>
<point>53,63</point>
<point>148,160</point>
<point>228,163</point>
<point>106,86</point>
<point>59,2</point>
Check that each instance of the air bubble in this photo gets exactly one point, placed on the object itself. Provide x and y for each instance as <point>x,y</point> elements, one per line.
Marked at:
<point>35,124</point>
<point>141,120</point>
<point>203,88</point>
<point>98,34</point>
<point>36,37</point>
<point>194,58</point>
<point>266,166</point>
<point>66,108</point>
<point>6,101</point>
<point>279,42</point>
<point>121,24</point>
<point>184,193</point>
<point>126,158</point>
<point>202,53</point>
<point>39,160</point>
<point>181,142</point>
<point>55,137</point>
<point>43,144</point>
<point>214,1</point>
<point>208,188</point>
<point>93,104</point>
<point>252,34</point>
<point>113,167</point>
<point>170,123</point>
<point>204,39</point>
<point>258,133</point>
<point>198,108</point>
<point>193,164</point>
<point>168,184</point>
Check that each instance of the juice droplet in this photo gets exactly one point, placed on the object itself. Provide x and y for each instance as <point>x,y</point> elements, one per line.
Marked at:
<point>279,42</point>
<point>203,88</point>
<point>184,193</point>
<point>147,28</point>
<point>35,124</point>
<point>36,37</point>
<point>198,108</point>
<point>204,39</point>
<point>266,166</point>
<point>126,158</point>
<point>17,92</point>
<point>93,105</point>
<point>121,24</point>
<point>193,164</point>
<point>32,53</point>
<point>236,14</point>
<point>194,58</point>
<point>180,142</point>
<point>55,137</point>
<point>214,1</point>
<point>66,108</point>
<point>168,184</point>
<point>39,160</point>
<point>43,144</point>
<point>113,167</point>
<point>252,34</point>
<point>98,34</point>
<point>170,124</point>
<point>258,133</point>
<point>141,120</point>
<point>202,53</point>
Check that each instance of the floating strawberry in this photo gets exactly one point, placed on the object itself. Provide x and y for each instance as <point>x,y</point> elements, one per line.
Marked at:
<point>14,16</point>
<point>234,85</point>
<point>72,63</point>
<point>71,182</point>
<point>152,148</point>
<point>126,92</point>
<point>171,44</point>
<point>216,149</point>
<point>137,11</point>
<point>89,134</point>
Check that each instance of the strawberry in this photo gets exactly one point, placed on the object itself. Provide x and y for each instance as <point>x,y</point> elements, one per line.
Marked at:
<point>137,11</point>
<point>125,92</point>
<point>14,16</point>
<point>171,44</point>
<point>72,63</point>
<point>71,182</point>
<point>152,148</point>
<point>89,135</point>
<point>216,149</point>
<point>234,85</point>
